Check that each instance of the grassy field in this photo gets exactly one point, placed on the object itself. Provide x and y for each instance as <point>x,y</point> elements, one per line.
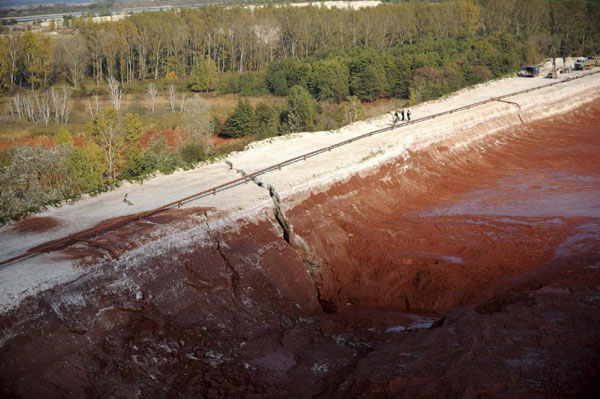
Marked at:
<point>14,132</point>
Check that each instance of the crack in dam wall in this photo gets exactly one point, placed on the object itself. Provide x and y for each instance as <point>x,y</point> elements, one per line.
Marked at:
<point>295,242</point>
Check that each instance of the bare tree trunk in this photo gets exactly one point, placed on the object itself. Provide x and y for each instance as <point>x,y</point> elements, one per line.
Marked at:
<point>241,58</point>
<point>65,107</point>
<point>151,96</point>
<point>96,98</point>
<point>182,103</point>
<point>172,97</point>
<point>157,55</point>
<point>115,92</point>
<point>94,112</point>
<point>17,103</point>
<point>43,106</point>
<point>55,104</point>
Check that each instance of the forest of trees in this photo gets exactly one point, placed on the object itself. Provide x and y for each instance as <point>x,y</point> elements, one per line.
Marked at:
<point>325,61</point>
<point>158,44</point>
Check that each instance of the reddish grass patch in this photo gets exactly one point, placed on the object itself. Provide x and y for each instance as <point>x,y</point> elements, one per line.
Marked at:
<point>171,135</point>
<point>45,141</point>
<point>78,141</point>
<point>36,225</point>
<point>219,141</point>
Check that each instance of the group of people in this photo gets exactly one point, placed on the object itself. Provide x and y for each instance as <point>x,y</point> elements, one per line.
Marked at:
<point>397,116</point>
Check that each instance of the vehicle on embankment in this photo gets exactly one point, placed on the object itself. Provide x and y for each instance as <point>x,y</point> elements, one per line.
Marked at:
<point>583,63</point>
<point>529,71</point>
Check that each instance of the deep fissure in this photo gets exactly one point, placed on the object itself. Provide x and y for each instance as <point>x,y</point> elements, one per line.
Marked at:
<point>235,277</point>
<point>279,214</point>
<point>303,252</point>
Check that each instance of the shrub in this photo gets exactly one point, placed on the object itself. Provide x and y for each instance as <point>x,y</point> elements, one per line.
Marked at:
<point>245,83</point>
<point>412,97</point>
<point>142,165</point>
<point>230,147</point>
<point>192,153</point>
<point>352,110</point>
<point>478,74</point>
<point>64,137</point>
<point>4,157</point>
<point>197,120</point>
<point>217,125</point>
<point>86,168</point>
<point>431,83</point>
<point>35,176</point>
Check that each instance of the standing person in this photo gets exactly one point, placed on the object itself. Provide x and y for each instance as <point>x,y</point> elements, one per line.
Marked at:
<point>395,119</point>
<point>402,114</point>
<point>408,115</point>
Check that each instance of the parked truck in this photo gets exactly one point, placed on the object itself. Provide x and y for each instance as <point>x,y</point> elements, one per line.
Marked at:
<point>529,71</point>
<point>583,63</point>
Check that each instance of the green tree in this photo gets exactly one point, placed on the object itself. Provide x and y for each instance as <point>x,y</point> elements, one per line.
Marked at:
<point>328,80</point>
<point>371,83</point>
<point>282,76</point>
<point>299,114</point>
<point>115,135</point>
<point>240,122</point>
<point>204,75</point>
<point>64,137</point>
<point>132,127</point>
<point>267,120</point>
<point>38,53</point>
<point>477,74</point>
<point>86,168</point>
<point>401,75</point>
<point>468,15</point>
<point>251,84</point>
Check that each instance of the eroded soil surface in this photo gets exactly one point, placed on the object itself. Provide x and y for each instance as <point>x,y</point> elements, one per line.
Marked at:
<point>36,224</point>
<point>460,272</point>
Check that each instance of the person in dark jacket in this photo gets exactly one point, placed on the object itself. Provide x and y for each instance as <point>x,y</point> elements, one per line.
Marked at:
<point>402,114</point>
<point>408,115</point>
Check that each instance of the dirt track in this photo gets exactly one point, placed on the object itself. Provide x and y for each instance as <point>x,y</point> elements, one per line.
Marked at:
<point>458,271</point>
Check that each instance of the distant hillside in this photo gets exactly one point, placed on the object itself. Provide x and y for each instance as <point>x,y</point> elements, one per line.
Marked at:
<point>28,3</point>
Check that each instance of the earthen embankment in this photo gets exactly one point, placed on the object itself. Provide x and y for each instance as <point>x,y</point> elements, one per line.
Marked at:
<point>452,258</point>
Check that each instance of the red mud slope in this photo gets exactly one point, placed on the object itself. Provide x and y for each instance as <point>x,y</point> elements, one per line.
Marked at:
<point>459,273</point>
